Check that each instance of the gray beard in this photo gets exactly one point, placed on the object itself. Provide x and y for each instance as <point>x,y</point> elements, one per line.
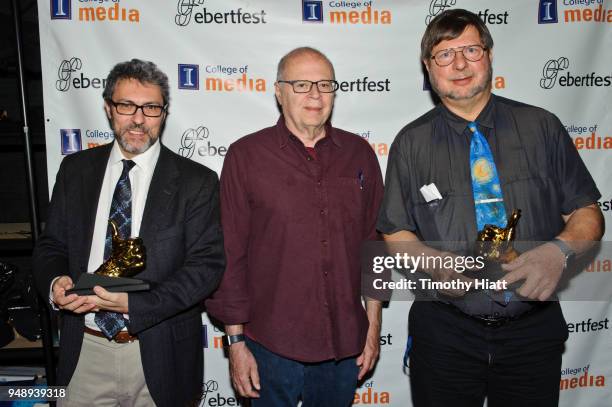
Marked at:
<point>135,150</point>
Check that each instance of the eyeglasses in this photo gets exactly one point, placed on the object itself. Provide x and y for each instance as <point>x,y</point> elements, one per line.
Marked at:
<point>472,53</point>
<point>128,109</point>
<point>304,86</point>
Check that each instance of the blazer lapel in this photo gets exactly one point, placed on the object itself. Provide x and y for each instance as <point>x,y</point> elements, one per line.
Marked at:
<point>92,177</point>
<point>164,185</point>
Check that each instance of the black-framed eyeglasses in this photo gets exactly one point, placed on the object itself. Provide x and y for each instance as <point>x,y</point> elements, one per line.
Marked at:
<point>472,53</point>
<point>128,108</point>
<point>304,86</point>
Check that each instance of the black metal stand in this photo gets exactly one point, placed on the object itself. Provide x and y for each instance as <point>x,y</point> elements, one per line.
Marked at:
<point>45,319</point>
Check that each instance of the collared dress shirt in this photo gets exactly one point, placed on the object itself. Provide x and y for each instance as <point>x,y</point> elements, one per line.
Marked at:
<point>140,180</point>
<point>293,224</point>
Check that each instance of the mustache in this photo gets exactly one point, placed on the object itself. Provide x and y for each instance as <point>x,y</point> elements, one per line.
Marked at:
<point>137,126</point>
<point>458,78</point>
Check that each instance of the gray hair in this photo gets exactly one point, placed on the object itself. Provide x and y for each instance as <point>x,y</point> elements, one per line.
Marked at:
<point>142,71</point>
<point>282,64</point>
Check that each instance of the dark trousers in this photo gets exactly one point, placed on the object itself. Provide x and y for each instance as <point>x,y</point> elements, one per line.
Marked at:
<point>456,361</point>
<point>285,381</point>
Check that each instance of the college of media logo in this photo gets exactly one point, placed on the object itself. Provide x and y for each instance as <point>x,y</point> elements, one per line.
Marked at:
<point>587,137</point>
<point>65,78</point>
<point>581,377</point>
<point>552,68</point>
<point>574,12</point>
<point>217,340</point>
<point>219,78</point>
<point>345,12</point>
<point>312,11</point>
<point>73,140</point>
<point>198,141</point>
<point>62,10</point>
<point>547,12</point>
<point>368,394</point>
<point>187,11</point>
<point>189,76</point>
<point>599,265</point>
<point>381,149</point>
<point>70,141</point>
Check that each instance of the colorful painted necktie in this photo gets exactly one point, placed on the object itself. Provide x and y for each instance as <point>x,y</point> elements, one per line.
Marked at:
<point>488,198</point>
<point>110,323</point>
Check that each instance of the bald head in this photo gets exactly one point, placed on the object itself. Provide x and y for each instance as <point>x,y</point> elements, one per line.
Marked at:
<point>298,53</point>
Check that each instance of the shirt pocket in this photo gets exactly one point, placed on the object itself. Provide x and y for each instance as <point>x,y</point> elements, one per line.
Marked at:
<point>346,197</point>
<point>448,219</point>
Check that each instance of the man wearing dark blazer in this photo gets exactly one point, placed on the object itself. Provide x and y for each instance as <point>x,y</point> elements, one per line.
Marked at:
<point>152,352</point>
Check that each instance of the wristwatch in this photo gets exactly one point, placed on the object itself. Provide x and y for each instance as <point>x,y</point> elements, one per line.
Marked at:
<point>229,340</point>
<point>566,250</point>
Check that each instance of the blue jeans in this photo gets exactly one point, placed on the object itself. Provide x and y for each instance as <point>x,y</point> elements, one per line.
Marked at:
<point>285,381</point>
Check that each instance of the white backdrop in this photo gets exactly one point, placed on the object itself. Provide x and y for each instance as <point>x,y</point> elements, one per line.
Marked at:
<point>221,56</point>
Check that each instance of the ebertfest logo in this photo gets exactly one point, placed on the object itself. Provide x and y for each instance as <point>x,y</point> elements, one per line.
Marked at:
<point>185,14</point>
<point>64,76</point>
<point>486,15</point>
<point>436,7</point>
<point>551,76</point>
<point>192,139</point>
<point>218,400</point>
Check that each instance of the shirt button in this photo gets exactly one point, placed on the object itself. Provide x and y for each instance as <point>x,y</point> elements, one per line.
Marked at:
<point>319,182</point>
<point>322,212</point>
<point>325,272</point>
<point>324,243</point>
<point>309,158</point>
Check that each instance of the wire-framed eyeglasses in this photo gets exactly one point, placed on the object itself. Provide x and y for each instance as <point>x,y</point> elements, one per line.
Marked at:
<point>472,53</point>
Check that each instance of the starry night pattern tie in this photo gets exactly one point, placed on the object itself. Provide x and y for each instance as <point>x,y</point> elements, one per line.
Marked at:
<point>488,197</point>
<point>110,323</point>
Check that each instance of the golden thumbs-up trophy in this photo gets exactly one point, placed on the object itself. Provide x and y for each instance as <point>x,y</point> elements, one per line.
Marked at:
<point>495,243</point>
<point>128,256</point>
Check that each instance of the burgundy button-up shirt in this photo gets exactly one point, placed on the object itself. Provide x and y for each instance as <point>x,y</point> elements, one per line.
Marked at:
<point>293,224</point>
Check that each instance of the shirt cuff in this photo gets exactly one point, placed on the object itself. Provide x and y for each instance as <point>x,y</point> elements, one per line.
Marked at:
<point>53,306</point>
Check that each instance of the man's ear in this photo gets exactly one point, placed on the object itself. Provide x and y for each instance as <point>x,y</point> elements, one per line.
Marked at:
<point>426,63</point>
<point>107,109</point>
<point>277,92</point>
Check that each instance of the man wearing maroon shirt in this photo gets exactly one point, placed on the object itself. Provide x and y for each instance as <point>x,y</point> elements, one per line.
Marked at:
<point>297,201</point>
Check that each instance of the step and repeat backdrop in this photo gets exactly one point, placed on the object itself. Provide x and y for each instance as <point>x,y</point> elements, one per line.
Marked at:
<point>221,56</point>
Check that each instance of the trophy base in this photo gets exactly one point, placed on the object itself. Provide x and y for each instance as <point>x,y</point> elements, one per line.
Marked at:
<point>88,281</point>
